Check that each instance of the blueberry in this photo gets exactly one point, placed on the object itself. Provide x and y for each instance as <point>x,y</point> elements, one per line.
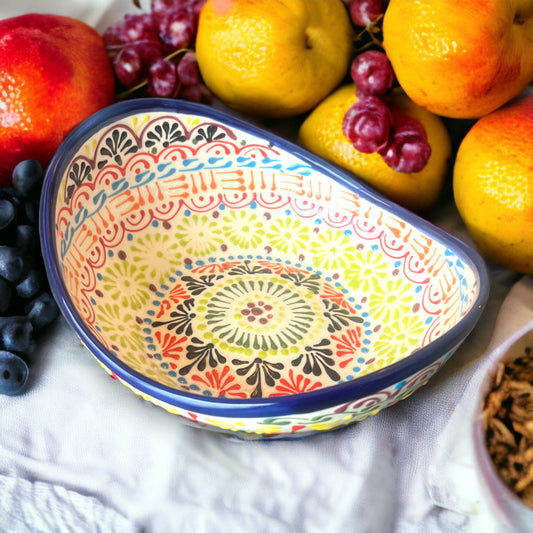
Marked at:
<point>26,238</point>
<point>32,284</point>
<point>12,264</point>
<point>28,178</point>
<point>9,193</point>
<point>16,334</point>
<point>6,293</point>
<point>42,310</point>
<point>7,213</point>
<point>31,210</point>
<point>13,373</point>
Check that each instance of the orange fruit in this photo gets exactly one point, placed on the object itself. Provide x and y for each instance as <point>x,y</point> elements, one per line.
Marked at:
<point>457,58</point>
<point>273,59</point>
<point>54,72</point>
<point>493,184</point>
<point>321,133</point>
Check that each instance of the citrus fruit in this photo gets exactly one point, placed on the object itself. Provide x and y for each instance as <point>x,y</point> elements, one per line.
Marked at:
<point>273,59</point>
<point>493,184</point>
<point>460,59</point>
<point>54,72</point>
<point>322,134</point>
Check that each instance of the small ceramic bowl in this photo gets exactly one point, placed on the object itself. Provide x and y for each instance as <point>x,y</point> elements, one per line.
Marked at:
<point>234,279</point>
<point>513,515</point>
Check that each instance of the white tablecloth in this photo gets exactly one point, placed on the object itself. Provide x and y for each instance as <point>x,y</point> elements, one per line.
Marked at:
<point>80,453</point>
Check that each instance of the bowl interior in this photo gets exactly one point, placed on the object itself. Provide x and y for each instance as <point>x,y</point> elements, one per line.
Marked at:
<point>204,256</point>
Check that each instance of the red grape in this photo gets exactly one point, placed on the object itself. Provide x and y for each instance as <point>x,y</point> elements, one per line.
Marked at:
<point>408,149</point>
<point>195,93</point>
<point>364,12</point>
<point>133,28</point>
<point>128,66</point>
<point>144,50</point>
<point>176,27</point>
<point>372,73</point>
<point>149,52</point>
<point>188,72</point>
<point>160,8</point>
<point>367,124</point>
<point>132,63</point>
<point>163,79</point>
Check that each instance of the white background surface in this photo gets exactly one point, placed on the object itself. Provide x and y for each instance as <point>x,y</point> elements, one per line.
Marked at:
<point>79,452</point>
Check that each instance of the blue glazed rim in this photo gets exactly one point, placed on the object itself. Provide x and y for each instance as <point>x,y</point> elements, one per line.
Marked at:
<point>257,407</point>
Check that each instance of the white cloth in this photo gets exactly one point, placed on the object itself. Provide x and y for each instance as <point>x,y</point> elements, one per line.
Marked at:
<point>81,453</point>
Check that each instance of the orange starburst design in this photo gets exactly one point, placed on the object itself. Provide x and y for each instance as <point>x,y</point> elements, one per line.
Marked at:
<point>222,382</point>
<point>171,346</point>
<point>295,384</point>
<point>329,293</point>
<point>178,293</point>
<point>348,344</point>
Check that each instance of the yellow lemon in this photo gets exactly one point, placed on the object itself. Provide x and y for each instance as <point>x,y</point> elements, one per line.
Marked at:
<point>273,58</point>
<point>493,184</point>
<point>321,133</point>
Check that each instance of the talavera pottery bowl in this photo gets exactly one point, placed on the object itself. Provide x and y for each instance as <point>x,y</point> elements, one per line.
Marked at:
<point>236,280</point>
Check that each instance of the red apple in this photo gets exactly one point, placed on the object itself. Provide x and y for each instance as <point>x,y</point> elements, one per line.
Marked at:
<point>54,73</point>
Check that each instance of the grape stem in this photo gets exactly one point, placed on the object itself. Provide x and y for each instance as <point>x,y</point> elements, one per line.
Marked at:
<point>128,92</point>
<point>371,30</point>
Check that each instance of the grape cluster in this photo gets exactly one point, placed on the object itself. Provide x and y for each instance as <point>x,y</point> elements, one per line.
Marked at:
<point>153,53</point>
<point>26,304</point>
<point>373,124</point>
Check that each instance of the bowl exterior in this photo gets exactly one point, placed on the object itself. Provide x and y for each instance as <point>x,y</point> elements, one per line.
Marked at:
<point>298,424</point>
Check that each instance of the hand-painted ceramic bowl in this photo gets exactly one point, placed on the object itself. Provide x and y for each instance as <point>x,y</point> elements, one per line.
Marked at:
<point>236,280</point>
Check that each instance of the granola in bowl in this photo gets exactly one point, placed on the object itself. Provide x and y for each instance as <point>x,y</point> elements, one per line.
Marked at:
<point>508,422</point>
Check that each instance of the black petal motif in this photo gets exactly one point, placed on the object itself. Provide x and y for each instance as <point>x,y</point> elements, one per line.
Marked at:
<point>201,354</point>
<point>118,145</point>
<point>181,318</point>
<point>339,317</point>
<point>210,134</point>
<point>259,371</point>
<point>165,134</point>
<point>79,173</point>
<point>318,359</point>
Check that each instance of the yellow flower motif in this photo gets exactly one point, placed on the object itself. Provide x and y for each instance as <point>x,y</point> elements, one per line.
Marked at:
<point>243,229</point>
<point>198,235</point>
<point>289,235</point>
<point>333,250</point>
<point>120,329</point>
<point>367,269</point>
<point>390,300</point>
<point>396,341</point>
<point>159,253</point>
<point>126,283</point>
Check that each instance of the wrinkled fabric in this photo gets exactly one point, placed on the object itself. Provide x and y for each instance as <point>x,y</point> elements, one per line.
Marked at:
<point>44,507</point>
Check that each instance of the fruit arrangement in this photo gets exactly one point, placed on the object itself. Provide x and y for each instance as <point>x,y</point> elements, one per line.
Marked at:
<point>372,85</point>
<point>26,304</point>
<point>153,53</point>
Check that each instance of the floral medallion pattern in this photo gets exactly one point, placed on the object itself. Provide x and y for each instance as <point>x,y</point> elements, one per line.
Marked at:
<point>261,319</point>
<point>214,263</point>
